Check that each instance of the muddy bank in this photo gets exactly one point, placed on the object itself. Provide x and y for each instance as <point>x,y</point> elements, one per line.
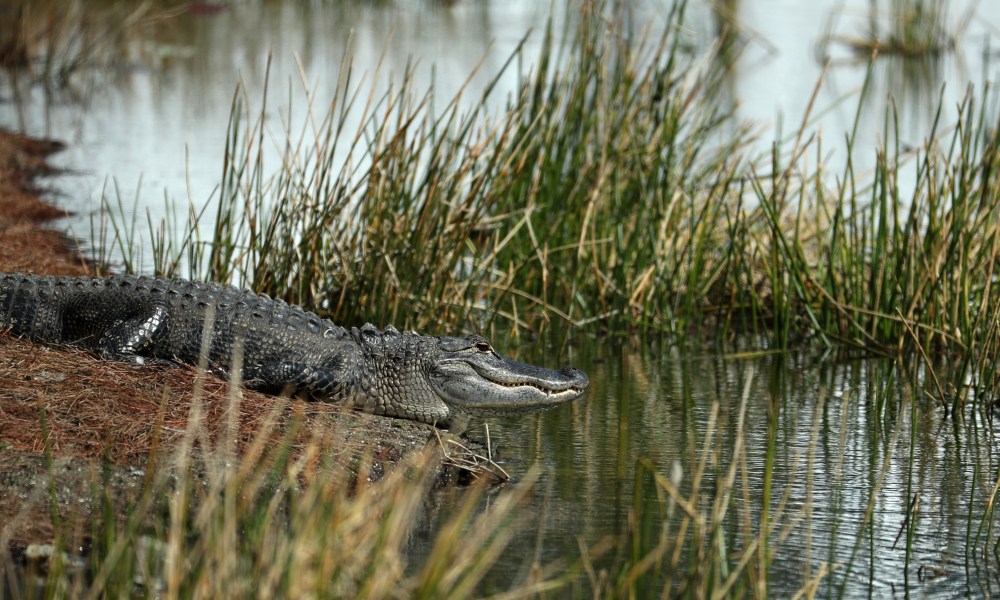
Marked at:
<point>66,416</point>
<point>25,243</point>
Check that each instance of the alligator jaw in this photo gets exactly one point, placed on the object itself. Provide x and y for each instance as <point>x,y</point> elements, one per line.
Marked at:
<point>500,385</point>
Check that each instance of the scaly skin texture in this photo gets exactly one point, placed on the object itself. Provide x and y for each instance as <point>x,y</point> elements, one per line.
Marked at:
<point>278,348</point>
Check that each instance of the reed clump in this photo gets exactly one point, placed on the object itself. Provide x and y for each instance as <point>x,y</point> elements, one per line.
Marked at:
<point>592,197</point>
<point>614,192</point>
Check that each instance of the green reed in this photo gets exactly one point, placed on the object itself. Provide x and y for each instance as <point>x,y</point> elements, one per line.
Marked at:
<point>616,192</point>
<point>591,198</point>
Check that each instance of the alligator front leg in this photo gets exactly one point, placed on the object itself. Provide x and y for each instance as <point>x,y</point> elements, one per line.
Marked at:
<point>131,339</point>
<point>122,329</point>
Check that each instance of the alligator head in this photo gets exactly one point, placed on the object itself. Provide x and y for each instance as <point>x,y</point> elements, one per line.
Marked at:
<point>436,379</point>
<point>470,375</point>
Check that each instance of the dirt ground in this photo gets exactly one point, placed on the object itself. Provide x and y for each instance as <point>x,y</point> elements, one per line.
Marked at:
<point>87,413</point>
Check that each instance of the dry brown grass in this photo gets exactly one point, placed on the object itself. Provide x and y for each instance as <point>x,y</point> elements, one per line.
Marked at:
<point>103,409</point>
<point>21,160</point>
<point>102,414</point>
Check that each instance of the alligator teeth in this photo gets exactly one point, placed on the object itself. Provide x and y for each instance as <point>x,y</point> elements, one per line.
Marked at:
<point>548,391</point>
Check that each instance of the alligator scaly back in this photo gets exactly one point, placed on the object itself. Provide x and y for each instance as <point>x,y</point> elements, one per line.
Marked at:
<point>277,347</point>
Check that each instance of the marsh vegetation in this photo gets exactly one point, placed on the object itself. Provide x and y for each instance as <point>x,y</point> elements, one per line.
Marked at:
<point>613,200</point>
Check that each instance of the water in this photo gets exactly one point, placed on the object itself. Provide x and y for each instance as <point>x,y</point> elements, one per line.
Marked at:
<point>845,440</point>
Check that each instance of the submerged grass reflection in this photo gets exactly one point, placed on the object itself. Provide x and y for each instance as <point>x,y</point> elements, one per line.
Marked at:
<point>711,522</point>
<point>51,42</point>
<point>846,480</point>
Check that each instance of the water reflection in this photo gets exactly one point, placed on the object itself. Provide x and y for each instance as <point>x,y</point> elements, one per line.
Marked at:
<point>848,451</point>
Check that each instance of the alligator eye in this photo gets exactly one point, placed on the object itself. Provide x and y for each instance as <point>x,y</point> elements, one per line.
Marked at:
<point>483,347</point>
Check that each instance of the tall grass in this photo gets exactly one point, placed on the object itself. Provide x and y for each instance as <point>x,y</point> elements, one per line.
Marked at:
<point>902,264</point>
<point>274,519</point>
<point>615,192</point>
<point>916,28</point>
<point>590,197</point>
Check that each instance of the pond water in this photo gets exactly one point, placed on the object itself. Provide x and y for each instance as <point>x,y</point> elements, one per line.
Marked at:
<point>853,446</point>
<point>848,447</point>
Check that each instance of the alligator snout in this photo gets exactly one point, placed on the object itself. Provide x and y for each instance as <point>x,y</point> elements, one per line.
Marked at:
<point>578,378</point>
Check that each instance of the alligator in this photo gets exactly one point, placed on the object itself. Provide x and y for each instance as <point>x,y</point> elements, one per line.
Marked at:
<point>275,347</point>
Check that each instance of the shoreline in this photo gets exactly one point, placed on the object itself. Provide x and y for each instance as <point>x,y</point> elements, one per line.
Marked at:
<point>27,243</point>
